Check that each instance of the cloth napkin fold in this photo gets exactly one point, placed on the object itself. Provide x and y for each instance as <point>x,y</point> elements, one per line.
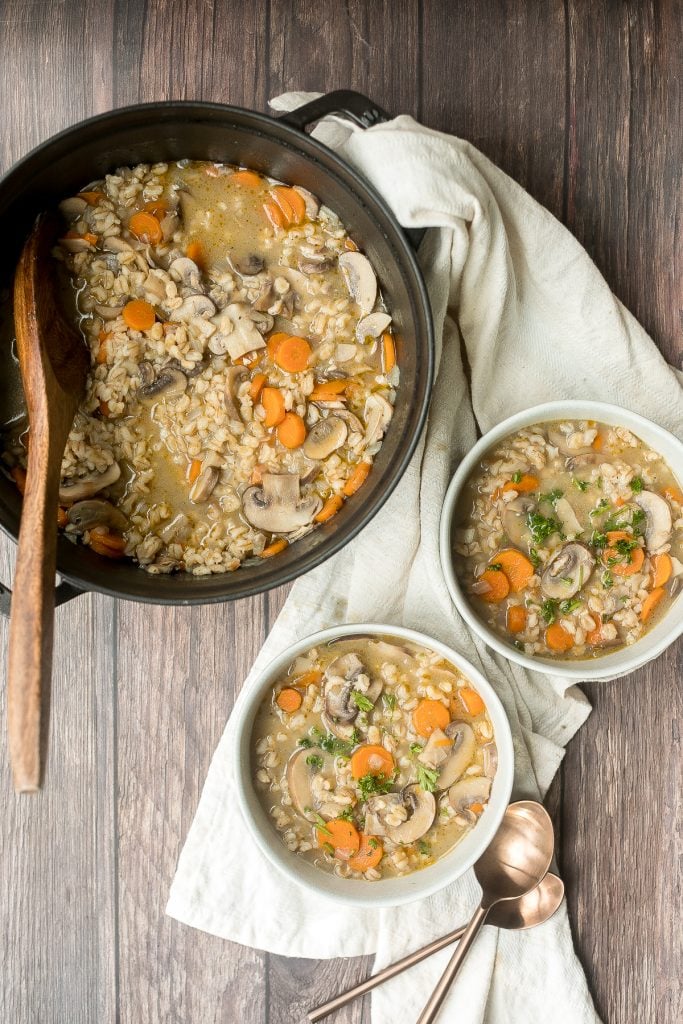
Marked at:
<point>537,322</point>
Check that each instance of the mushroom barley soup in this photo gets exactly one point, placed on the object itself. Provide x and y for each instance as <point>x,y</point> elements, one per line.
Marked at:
<point>569,539</point>
<point>243,369</point>
<point>373,759</point>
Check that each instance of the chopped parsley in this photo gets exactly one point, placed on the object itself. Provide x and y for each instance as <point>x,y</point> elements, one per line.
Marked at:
<point>370,785</point>
<point>304,741</point>
<point>361,701</point>
<point>424,847</point>
<point>427,777</point>
<point>315,761</point>
<point>607,580</point>
<point>637,485</point>
<point>551,496</point>
<point>533,558</point>
<point>389,701</point>
<point>598,539</point>
<point>623,549</point>
<point>581,485</point>
<point>320,822</point>
<point>332,744</point>
<point>549,611</point>
<point>346,814</point>
<point>542,527</point>
<point>373,843</point>
<point>416,748</point>
<point>328,848</point>
<point>495,567</point>
<point>601,507</point>
<point>516,477</point>
<point>570,605</point>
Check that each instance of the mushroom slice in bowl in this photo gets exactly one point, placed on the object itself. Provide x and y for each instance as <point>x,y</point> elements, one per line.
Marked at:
<point>657,519</point>
<point>277,506</point>
<point>568,571</point>
<point>421,807</point>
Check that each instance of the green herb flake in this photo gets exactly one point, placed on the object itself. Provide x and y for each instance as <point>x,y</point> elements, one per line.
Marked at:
<point>346,814</point>
<point>495,567</point>
<point>581,485</point>
<point>601,507</point>
<point>534,558</point>
<point>373,843</point>
<point>304,741</point>
<point>389,701</point>
<point>607,580</point>
<point>598,539</point>
<point>315,761</point>
<point>361,701</point>
<point>637,484</point>
<point>416,748</point>
<point>549,611</point>
<point>424,848</point>
<point>542,527</point>
<point>332,744</point>
<point>516,477</point>
<point>552,496</point>
<point>371,785</point>
<point>328,848</point>
<point>427,777</point>
<point>320,822</point>
<point>570,605</point>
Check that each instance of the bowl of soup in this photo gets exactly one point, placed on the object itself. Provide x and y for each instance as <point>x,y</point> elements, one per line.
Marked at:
<point>562,539</point>
<point>374,764</point>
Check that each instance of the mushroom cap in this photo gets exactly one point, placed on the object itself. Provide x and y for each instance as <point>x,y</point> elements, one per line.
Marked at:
<point>186,271</point>
<point>168,383</point>
<point>237,332</point>
<point>372,325</point>
<point>378,413</point>
<point>514,520</point>
<point>490,759</point>
<point>74,206</point>
<point>567,571</point>
<point>340,677</point>
<point>299,775</point>
<point>657,519</point>
<point>360,279</point>
<point>421,813</point>
<point>473,789</point>
<point>276,506</point>
<point>559,439</point>
<point>83,515</point>
<point>249,265</point>
<point>312,202</point>
<point>567,516</point>
<point>204,484</point>
<point>88,486</point>
<point>460,755</point>
<point>108,312</point>
<point>325,437</point>
<point>192,306</point>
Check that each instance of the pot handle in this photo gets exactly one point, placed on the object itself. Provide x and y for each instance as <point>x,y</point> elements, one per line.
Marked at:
<point>354,107</point>
<point>63,592</point>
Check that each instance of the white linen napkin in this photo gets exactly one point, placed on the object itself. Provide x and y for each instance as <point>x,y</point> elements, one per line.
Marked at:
<point>538,323</point>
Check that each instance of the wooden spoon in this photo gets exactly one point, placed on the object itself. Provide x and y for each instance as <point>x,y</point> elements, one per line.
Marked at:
<point>54,364</point>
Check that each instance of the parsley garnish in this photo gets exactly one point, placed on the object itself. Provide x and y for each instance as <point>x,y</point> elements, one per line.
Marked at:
<point>332,744</point>
<point>424,847</point>
<point>369,785</point>
<point>373,843</point>
<point>320,822</point>
<point>427,777</point>
<point>305,741</point>
<point>416,748</point>
<point>533,558</point>
<point>607,580</point>
<point>361,701</point>
<point>495,567</point>
<point>637,485</point>
<point>542,527</point>
<point>581,485</point>
<point>568,606</point>
<point>328,848</point>
<point>601,507</point>
<point>598,539</point>
<point>516,477</point>
<point>389,701</point>
<point>315,761</point>
<point>346,814</point>
<point>551,496</point>
<point>549,611</point>
<point>623,550</point>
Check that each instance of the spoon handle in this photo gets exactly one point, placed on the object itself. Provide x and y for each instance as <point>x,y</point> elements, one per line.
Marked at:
<point>437,997</point>
<point>384,975</point>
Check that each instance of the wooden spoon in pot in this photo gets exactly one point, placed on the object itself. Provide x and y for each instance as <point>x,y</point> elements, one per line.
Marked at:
<point>54,364</point>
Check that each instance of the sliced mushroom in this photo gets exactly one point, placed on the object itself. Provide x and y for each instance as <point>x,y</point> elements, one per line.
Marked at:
<point>421,807</point>
<point>147,372</point>
<point>114,243</point>
<point>378,413</point>
<point>372,326</point>
<point>657,519</point>
<point>169,383</point>
<point>340,678</point>
<point>360,279</point>
<point>376,810</point>
<point>350,419</point>
<point>204,484</point>
<point>84,515</point>
<point>325,437</point>
<point>76,244</point>
<point>74,206</point>
<point>232,376</point>
<point>581,461</point>
<point>154,288</point>
<point>185,271</point>
<point>237,332</point>
<point>514,520</point>
<point>435,750</point>
<point>248,266</point>
<point>276,506</point>
<point>108,312</point>
<point>559,439</point>
<point>175,529</point>
<point>299,778</point>
<point>567,571</point>
<point>567,516</point>
<point>490,760</point>
<point>473,789</point>
<point>311,201</point>
<point>88,486</point>
<point>460,754</point>
<point>192,306</point>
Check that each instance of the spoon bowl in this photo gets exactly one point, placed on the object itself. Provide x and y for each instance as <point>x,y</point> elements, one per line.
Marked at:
<point>519,855</point>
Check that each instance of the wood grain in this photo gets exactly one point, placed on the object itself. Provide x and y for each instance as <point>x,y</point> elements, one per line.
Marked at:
<point>581,103</point>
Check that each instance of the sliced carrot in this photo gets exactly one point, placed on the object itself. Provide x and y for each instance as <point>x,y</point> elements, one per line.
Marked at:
<point>598,443</point>
<point>249,178</point>
<point>595,637</point>
<point>62,517</point>
<point>329,390</point>
<point>274,404</point>
<point>18,474</point>
<point>274,214</point>
<point>195,252</point>
<point>256,386</point>
<point>524,485</point>
<point>297,204</point>
<point>111,545</point>
<point>558,639</point>
<point>430,715</point>
<point>341,835</point>
<point>293,354</point>
<point>330,508</point>
<point>471,701</point>
<point>499,586</point>
<point>274,341</point>
<point>650,603</point>
<point>372,759</point>
<point>103,349</point>
<point>476,808</point>
<point>146,227</point>
<point>281,196</point>
<point>628,564</point>
<point>350,244</point>
<point>92,198</point>
<point>292,431</point>
<point>87,237</point>
<point>289,700</point>
<point>369,854</point>
<point>275,548</point>
<point>388,352</point>
<point>661,570</point>
<point>673,494</point>
<point>157,207</point>
<point>615,535</point>
<point>139,315</point>
<point>516,618</point>
<point>357,478</point>
<point>194,470</point>
<point>516,567</point>
<point>309,678</point>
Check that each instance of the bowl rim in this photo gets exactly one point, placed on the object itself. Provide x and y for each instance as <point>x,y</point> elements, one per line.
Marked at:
<point>583,669</point>
<point>418,885</point>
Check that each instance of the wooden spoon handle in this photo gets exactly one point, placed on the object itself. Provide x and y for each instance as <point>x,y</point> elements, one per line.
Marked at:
<point>32,613</point>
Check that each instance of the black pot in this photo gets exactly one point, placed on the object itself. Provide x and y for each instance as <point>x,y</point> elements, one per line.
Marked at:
<point>278,147</point>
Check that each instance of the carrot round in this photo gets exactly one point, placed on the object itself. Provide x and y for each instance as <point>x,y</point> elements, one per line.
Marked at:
<point>195,252</point>
<point>194,470</point>
<point>388,352</point>
<point>274,404</point>
<point>103,349</point>
<point>499,586</point>
<point>139,315</point>
<point>111,545</point>
<point>297,204</point>
<point>274,341</point>
<point>275,548</point>
<point>430,715</point>
<point>471,701</point>
<point>329,390</point>
<point>516,567</point>
<point>342,836</point>
<point>293,354</point>
<point>558,639</point>
<point>62,516</point>
<point>369,854</point>
<point>650,603</point>
<point>661,570</point>
<point>525,485</point>
<point>372,759</point>
<point>309,678</point>
<point>249,178</point>
<point>92,198</point>
<point>274,214</point>
<point>595,637</point>
<point>281,196</point>
<point>289,700</point>
<point>598,443</point>
<point>357,478</point>
<point>330,508</point>
<point>624,565</point>
<point>256,386</point>
<point>673,494</point>
<point>292,431</point>
<point>146,227</point>
<point>516,618</point>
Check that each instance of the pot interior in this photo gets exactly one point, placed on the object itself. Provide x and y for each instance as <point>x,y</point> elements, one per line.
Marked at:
<point>159,132</point>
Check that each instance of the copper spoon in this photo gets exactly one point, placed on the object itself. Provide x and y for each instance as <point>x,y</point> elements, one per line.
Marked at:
<point>54,362</point>
<point>516,861</point>
<point>527,911</point>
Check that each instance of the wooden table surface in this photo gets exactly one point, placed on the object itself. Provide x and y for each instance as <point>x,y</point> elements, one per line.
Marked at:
<point>581,103</point>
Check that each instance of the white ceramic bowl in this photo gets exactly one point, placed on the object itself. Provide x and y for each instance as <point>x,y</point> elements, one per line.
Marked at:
<point>358,892</point>
<point>622,661</point>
